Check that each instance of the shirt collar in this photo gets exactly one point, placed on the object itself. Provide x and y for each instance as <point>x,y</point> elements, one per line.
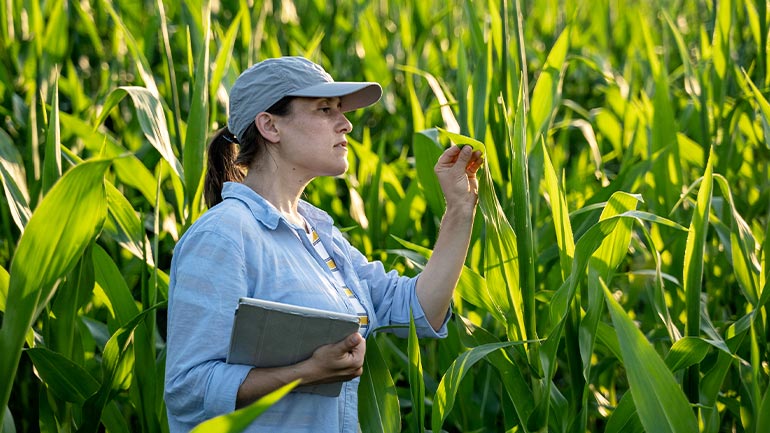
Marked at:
<point>268,215</point>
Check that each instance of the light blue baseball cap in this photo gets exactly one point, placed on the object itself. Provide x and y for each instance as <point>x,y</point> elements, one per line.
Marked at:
<point>267,82</point>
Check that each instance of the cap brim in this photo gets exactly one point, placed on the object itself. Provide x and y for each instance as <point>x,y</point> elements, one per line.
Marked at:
<point>354,95</point>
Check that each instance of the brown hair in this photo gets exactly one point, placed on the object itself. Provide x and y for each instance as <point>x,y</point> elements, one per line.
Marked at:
<point>229,158</point>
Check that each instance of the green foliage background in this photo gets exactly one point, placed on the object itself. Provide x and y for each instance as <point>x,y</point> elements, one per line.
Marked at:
<point>617,279</point>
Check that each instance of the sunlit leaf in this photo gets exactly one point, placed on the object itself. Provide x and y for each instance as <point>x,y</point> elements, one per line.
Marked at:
<point>197,123</point>
<point>239,420</point>
<point>547,91</point>
<point>686,352</point>
<point>151,119</point>
<point>63,225</point>
<point>460,140</point>
<point>14,181</point>
<point>694,259</point>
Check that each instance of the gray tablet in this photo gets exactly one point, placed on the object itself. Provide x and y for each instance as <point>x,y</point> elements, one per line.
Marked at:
<point>274,334</point>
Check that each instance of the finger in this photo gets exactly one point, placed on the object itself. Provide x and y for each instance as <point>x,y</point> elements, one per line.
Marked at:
<point>474,165</point>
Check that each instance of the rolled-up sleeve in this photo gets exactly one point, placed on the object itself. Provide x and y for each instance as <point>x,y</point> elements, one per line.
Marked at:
<point>207,278</point>
<point>393,297</point>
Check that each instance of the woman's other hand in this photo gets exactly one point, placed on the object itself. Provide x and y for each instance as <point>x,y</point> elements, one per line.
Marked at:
<point>337,362</point>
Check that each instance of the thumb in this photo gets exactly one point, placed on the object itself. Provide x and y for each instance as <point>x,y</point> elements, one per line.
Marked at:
<point>353,340</point>
<point>465,154</point>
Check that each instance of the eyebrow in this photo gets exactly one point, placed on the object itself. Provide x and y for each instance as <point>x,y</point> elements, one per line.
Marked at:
<point>329,99</point>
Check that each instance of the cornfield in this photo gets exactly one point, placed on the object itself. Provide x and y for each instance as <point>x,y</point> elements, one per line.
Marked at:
<point>617,276</point>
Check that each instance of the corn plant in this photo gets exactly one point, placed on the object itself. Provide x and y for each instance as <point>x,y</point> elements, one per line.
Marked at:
<point>617,279</point>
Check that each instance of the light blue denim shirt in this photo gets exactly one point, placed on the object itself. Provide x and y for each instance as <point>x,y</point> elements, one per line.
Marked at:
<point>244,247</point>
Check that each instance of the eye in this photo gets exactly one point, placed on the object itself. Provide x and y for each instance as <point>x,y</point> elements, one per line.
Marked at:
<point>326,109</point>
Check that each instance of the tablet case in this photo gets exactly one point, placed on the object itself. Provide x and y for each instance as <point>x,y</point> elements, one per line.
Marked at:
<point>274,334</point>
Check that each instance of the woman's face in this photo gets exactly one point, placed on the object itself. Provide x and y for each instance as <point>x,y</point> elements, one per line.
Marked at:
<point>312,138</point>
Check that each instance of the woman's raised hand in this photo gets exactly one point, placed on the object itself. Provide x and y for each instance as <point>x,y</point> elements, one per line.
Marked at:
<point>456,170</point>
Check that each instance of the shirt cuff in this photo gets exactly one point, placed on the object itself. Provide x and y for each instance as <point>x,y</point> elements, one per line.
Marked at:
<point>223,387</point>
<point>424,329</point>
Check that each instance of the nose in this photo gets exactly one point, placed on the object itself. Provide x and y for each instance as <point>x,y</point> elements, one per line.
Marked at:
<point>345,126</point>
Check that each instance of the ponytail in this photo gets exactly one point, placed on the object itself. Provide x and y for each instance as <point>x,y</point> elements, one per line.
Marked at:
<point>222,154</point>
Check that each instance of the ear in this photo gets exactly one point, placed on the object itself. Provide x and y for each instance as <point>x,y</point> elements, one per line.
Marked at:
<point>267,127</point>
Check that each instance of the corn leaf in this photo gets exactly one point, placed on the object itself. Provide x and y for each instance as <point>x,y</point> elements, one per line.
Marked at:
<point>151,119</point>
<point>378,410</point>
<point>501,268</point>
<point>547,91</point>
<point>560,214</point>
<point>416,382</point>
<point>14,181</point>
<point>225,52</point>
<point>4,280</point>
<point>63,225</point>
<point>743,247</point>
<point>446,111</point>
<point>460,140</point>
<point>56,38</point>
<point>763,413</point>
<point>660,403</point>
<point>113,419</point>
<point>510,373</point>
<point>764,105</point>
<point>63,321</point>
<point>693,271</point>
<point>426,152</point>
<point>120,303</point>
<point>447,390</point>
<point>52,161</point>
<point>686,352</point>
<point>197,124</point>
<point>624,418</point>
<point>128,168</point>
<point>601,268</point>
<point>124,225</point>
<point>521,214</point>
<point>588,243</point>
<point>67,380</point>
<point>117,365</point>
<point>8,426</point>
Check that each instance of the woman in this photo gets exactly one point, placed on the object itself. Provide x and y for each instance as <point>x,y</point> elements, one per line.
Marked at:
<point>256,240</point>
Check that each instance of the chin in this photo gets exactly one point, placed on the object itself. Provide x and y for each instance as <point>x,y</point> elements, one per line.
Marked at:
<point>343,168</point>
<point>337,171</point>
